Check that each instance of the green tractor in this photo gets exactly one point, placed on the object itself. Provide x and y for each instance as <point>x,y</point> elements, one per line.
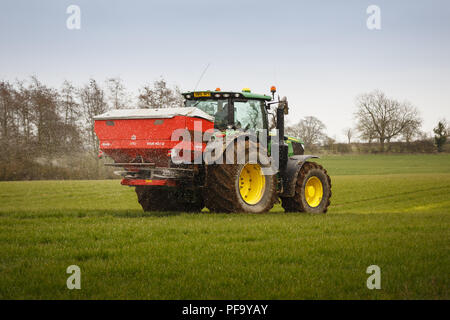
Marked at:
<point>242,182</point>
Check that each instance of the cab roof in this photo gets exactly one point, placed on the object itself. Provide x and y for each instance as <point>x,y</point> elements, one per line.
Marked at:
<point>224,94</point>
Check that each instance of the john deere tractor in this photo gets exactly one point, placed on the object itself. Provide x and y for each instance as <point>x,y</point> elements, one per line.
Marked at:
<point>141,141</point>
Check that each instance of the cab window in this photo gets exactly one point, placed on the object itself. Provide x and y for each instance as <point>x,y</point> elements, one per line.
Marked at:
<point>249,114</point>
<point>218,108</point>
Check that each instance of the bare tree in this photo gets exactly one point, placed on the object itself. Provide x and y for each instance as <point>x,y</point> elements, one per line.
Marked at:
<point>23,108</point>
<point>44,106</point>
<point>118,96</point>
<point>159,95</point>
<point>349,134</point>
<point>6,109</point>
<point>366,130</point>
<point>383,118</point>
<point>310,129</point>
<point>411,131</point>
<point>70,113</point>
<point>93,103</point>
<point>70,109</point>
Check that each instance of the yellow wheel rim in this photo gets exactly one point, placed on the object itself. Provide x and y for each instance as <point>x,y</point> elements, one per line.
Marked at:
<point>313,191</point>
<point>251,183</point>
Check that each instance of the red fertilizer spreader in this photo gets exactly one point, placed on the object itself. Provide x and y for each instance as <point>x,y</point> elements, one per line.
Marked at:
<point>141,142</point>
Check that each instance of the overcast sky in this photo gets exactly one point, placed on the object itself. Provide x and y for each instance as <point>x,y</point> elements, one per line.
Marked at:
<point>320,54</point>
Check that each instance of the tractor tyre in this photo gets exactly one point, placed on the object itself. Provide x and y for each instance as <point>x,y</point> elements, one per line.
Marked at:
<point>160,199</point>
<point>240,187</point>
<point>312,190</point>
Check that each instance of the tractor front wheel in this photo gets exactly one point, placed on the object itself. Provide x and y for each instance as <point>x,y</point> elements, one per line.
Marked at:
<point>312,190</point>
<point>240,187</point>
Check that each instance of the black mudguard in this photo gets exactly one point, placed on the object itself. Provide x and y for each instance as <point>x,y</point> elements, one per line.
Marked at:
<point>290,174</point>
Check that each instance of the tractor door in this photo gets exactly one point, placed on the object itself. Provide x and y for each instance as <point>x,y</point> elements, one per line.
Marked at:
<point>249,114</point>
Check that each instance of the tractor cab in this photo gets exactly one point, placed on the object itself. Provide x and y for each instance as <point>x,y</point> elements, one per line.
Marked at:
<point>231,110</point>
<point>245,111</point>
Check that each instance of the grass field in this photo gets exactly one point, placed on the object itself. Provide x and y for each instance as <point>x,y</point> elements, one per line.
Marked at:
<point>391,211</point>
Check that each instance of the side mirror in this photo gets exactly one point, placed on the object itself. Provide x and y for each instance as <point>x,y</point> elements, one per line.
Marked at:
<point>284,105</point>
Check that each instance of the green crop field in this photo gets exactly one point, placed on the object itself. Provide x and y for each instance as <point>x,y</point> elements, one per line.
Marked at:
<point>390,211</point>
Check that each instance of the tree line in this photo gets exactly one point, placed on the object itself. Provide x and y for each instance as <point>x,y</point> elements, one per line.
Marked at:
<point>48,133</point>
<point>383,124</point>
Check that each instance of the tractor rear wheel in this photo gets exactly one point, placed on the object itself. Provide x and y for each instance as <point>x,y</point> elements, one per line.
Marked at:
<point>162,199</point>
<point>312,190</point>
<point>240,187</point>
